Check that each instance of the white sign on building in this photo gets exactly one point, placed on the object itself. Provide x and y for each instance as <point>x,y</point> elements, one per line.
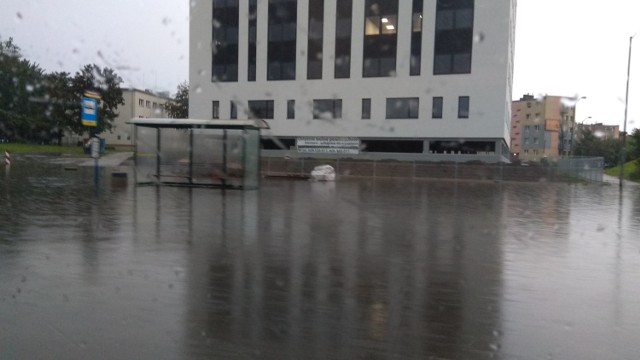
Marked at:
<point>328,145</point>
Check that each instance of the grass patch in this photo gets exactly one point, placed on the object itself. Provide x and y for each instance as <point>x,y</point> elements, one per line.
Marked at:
<point>41,149</point>
<point>629,168</point>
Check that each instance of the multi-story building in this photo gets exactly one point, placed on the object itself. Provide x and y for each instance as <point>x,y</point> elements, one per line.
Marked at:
<point>542,128</point>
<point>415,79</point>
<point>600,130</point>
<point>137,104</point>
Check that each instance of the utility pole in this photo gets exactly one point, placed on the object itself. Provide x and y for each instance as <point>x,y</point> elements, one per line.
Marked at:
<point>626,108</point>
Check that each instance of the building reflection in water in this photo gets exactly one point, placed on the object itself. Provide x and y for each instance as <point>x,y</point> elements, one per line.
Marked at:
<point>349,270</point>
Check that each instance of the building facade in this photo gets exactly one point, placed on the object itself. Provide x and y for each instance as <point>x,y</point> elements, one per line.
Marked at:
<point>415,79</point>
<point>542,127</point>
<point>137,104</point>
<point>604,132</point>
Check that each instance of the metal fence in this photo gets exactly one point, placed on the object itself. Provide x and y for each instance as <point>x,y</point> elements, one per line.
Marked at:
<point>588,168</point>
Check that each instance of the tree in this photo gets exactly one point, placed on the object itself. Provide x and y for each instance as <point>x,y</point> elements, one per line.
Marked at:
<point>61,103</point>
<point>591,145</point>
<point>105,82</point>
<point>179,107</point>
<point>21,114</point>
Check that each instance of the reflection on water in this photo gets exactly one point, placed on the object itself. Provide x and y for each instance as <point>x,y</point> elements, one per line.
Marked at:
<point>352,269</point>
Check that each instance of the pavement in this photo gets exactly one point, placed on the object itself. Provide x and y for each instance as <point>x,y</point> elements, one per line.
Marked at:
<point>608,179</point>
<point>110,160</point>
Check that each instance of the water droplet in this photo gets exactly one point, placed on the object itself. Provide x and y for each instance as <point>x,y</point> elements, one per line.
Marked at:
<point>478,38</point>
<point>19,16</point>
<point>166,21</point>
<point>29,88</point>
<point>198,89</point>
<point>600,228</point>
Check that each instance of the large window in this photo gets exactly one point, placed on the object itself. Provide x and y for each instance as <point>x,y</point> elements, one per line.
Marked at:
<point>314,44</point>
<point>327,109</point>
<point>344,9</point>
<point>453,37</point>
<point>436,108</point>
<point>416,38</point>
<point>281,52</point>
<point>380,38</point>
<point>463,107</point>
<point>253,34</point>
<point>225,40</point>
<point>402,108</point>
<point>261,109</point>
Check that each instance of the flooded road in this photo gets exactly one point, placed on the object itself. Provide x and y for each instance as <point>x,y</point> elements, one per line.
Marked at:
<point>357,269</point>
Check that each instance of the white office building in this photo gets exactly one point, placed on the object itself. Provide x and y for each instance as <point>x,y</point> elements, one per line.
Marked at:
<point>377,79</point>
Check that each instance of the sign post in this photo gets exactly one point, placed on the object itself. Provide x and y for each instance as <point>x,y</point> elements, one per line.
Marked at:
<point>89,117</point>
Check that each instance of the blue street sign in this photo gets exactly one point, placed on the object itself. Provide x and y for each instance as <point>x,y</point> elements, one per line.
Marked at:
<point>90,109</point>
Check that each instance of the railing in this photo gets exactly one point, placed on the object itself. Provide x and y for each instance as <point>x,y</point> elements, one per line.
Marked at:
<point>588,168</point>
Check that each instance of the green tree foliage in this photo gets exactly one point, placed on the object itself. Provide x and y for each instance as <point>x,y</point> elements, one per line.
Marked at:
<point>39,107</point>
<point>633,152</point>
<point>61,103</point>
<point>179,107</point>
<point>21,114</point>
<point>591,145</point>
<point>105,82</point>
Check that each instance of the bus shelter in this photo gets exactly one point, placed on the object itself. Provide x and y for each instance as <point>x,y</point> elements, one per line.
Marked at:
<point>190,152</point>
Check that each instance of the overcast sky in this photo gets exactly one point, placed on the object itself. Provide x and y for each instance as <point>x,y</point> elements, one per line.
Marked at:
<point>563,47</point>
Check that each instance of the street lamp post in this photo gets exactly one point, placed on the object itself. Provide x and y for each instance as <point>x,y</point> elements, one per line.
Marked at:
<point>626,107</point>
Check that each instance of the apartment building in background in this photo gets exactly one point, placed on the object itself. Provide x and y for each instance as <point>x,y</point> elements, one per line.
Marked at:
<point>374,79</point>
<point>604,132</point>
<point>137,104</point>
<point>542,127</point>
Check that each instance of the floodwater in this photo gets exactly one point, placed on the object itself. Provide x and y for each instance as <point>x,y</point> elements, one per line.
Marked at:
<point>357,269</point>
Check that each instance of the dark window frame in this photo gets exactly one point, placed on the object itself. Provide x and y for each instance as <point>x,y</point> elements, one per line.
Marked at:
<point>332,106</point>
<point>403,108</point>
<point>366,109</point>
<point>464,104</point>
<point>437,106</point>
<point>291,109</point>
<point>215,109</point>
<point>261,109</point>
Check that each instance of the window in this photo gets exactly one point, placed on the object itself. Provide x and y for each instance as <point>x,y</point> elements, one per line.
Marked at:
<point>436,109</point>
<point>453,37</point>
<point>536,127</point>
<point>233,113</point>
<point>148,104</point>
<point>380,38</point>
<point>281,48</point>
<point>529,105</point>
<point>535,140</point>
<point>253,34</point>
<point>315,37</point>
<point>463,107</point>
<point>416,38</point>
<point>327,109</point>
<point>528,116</point>
<point>215,109</point>
<point>291,109</point>
<point>366,108</point>
<point>261,109</point>
<point>342,67</point>
<point>119,137</point>
<point>141,102</point>
<point>402,108</point>
<point>226,15</point>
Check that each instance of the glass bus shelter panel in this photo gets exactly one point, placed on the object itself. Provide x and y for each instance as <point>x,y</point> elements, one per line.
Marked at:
<point>251,159</point>
<point>207,157</point>
<point>217,157</point>
<point>146,154</point>
<point>174,155</point>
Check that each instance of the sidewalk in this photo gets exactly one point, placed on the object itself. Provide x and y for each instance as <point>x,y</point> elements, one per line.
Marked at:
<point>608,179</point>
